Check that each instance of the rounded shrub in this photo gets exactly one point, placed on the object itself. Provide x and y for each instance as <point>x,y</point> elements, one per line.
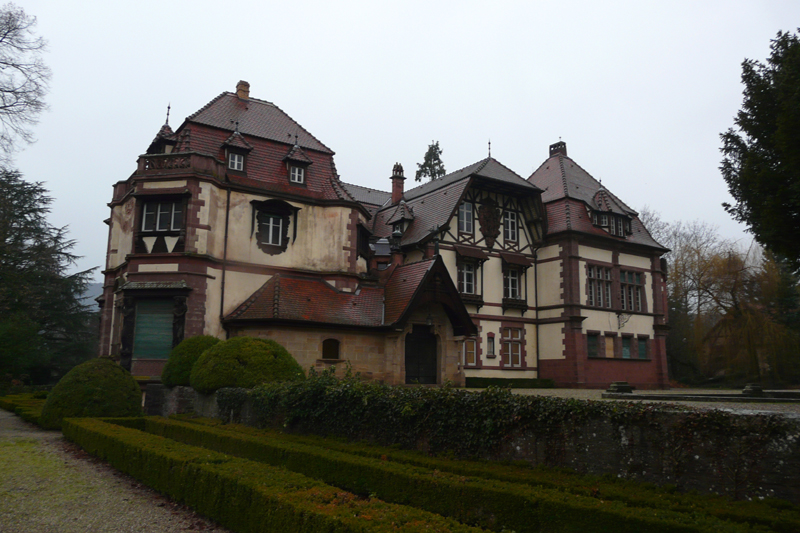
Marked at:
<point>183,357</point>
<point>98,387</point>
<point>243,362</point>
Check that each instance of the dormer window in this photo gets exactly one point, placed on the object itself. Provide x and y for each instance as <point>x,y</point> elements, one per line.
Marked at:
<point>297,174</point>
<point>619,226</point>
<point>236,161</point>
<point>397,227</point>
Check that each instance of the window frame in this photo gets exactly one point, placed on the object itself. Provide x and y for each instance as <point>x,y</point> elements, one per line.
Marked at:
<point>464,351</point>
<point>299,172</point>
<point>156,214</point>
<point>264,215</point>
<point>510,226</point>
<point>631,285</point>
<point>467,269</point>
<point>511,345</point>
<point>511,275</point>
<point>466,218</point>
<point>236,161</point>
<point>598,286</point>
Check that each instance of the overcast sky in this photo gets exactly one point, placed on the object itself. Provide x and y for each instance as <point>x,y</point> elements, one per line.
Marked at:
<point>639,91</point>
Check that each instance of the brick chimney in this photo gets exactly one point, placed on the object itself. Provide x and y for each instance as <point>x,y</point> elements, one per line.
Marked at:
<point>397,183</point>
<point>558,148</point>
<point>243,90</point>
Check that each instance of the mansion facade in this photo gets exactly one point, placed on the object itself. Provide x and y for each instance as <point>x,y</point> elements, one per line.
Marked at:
<point>237,223</point>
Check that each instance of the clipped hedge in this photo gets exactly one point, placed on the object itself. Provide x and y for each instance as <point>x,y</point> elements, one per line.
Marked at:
<point>182,359</point>
<point>26,406</point>
<point>243,495</point>
<point>243,362</point>
<point>487,503</point>
<point>512,383</point>
<point>778,515</point>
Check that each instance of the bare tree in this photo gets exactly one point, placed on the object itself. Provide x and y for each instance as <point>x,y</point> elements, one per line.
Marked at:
<point>23,79</point>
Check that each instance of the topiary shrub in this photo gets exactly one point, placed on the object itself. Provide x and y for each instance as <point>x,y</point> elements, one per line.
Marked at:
<point>98,387</point>
<point>183,357</point>
<point>243,362</point>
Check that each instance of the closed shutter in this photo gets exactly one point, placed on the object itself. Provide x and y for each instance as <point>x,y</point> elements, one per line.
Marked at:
<point>153,331</point>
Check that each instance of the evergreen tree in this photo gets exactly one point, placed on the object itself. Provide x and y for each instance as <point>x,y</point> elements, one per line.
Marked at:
<point>432,166</point>
<point>761,161</point>
<point>45,328</point>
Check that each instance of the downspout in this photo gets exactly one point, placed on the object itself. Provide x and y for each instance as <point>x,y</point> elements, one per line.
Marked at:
<point>225,261</point>
<point>536,303</point>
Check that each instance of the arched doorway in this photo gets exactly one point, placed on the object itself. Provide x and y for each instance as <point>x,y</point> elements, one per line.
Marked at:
<point>421,356</point>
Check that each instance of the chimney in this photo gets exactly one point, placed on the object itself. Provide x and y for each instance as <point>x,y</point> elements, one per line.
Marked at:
<point>397,183</point>
<point>243,90</point>
<point>558,148</point>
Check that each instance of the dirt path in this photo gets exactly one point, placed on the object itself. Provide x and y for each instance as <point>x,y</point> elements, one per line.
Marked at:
<point>49,485</point>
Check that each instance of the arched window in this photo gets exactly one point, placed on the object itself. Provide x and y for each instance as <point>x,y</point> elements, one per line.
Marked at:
<point>330,349</point>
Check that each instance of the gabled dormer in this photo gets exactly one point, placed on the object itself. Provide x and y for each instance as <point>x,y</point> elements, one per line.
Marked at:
<point>297,163</point>
<point>607,214</point>
<point>402,217</point>
<point>236,150</point>
<point>164,142</point>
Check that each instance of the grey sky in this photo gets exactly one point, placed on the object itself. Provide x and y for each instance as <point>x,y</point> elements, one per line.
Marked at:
<point>639,91</point>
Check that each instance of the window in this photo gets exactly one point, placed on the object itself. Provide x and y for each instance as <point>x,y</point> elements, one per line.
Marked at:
<point>630,284</point>
<point>626,347</point>
<point>598,286</point>
<point>397,227</point>
<point>642,341</point>
<point>235,161</point>
<point>511,284</point>
<point>330,349</point>
<point>512,347</point>
<point>297,174</point>
<point>592,342</point>
<point>604,220</point>
<point>466,278</point>
<point>469,353</point>
<point>465,218</point>
<point>162,216</point>
<point>510,226</point>
<point>490,345</point>
<point>271,221</point>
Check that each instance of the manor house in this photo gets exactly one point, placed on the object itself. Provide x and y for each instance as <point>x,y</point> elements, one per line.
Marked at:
<point>237,223</point>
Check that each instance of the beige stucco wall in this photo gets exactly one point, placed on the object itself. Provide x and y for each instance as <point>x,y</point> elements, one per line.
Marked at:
<point>238,287</point>
<point>552,340</point>
<point>548,252</point>
<point>171,184</point>
<point>550,292</point>
<point>595,254</point>
<point>121,238</point>
<point>635,261</point>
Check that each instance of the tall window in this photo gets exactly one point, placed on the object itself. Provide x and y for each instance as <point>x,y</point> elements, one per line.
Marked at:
<point>466,278</point>
<point>626,347</point>
<point>592,343</point>
<point>465,218</point>
<point>642,343</point>
<point>469,353</point>
<point>512,347</point>
<point>630,290</point>
<point>598,286</point>
<point>297,174</point>
<point>510,226</point>
<point>162,216</point>
<point>235,161</point>
<point>511,284</point>
<point>271,229</point>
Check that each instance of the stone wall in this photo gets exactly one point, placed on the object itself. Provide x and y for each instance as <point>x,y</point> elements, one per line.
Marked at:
<point>660,451</point>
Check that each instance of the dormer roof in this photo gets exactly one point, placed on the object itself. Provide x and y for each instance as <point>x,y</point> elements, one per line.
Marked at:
<point>402,212</point>
<point>236,140</point>
<point>297,155</point>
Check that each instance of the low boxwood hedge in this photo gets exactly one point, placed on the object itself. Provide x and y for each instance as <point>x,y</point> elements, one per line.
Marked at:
<point>488,503</point>
<point>243,495</point>
<point>778,515</point>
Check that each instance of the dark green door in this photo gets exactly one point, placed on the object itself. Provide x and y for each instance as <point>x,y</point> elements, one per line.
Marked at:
<point>421,356</point>
<point>153,331</point>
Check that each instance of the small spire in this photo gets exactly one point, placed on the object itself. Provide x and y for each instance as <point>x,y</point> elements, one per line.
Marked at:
<point>490,148</point>
<point>168,107</point>
<point>235,125</point>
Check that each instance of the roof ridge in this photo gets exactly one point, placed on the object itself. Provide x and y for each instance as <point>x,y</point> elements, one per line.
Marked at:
<point>303,128</point>
<point>448,174</point>
<point>276,297</point>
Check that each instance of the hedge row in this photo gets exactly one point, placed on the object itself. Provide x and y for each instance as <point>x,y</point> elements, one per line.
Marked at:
<point>777,515</point>
<point>26,406</point>
<point>243,495</point>
<point>488,503</point>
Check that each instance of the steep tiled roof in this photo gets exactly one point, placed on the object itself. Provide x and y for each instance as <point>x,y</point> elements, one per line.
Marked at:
<point>310,299</point>
<point>561,177</point>
<point>488,168</point>
<point>569,190</point>
<point>256,118</point>
<point>402,286</point>
<point>365,195</point>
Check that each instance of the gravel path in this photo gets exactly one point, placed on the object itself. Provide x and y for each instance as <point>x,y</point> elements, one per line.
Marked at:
<point>48,485</point>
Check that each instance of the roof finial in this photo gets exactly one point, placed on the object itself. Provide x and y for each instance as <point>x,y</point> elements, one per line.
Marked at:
<point>168,107</point>
<point>490,148</point>
<point>295,139</point>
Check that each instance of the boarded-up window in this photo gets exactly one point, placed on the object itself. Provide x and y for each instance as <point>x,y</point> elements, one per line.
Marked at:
<point>153,330</point>
<point>610,347</point>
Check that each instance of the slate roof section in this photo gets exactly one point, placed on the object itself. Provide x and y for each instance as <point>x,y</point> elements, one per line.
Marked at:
<point>256,118</point>
<point>569,190</point>
<point>403,212</point>
<point>402,285</point>
<point>365,195</point>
